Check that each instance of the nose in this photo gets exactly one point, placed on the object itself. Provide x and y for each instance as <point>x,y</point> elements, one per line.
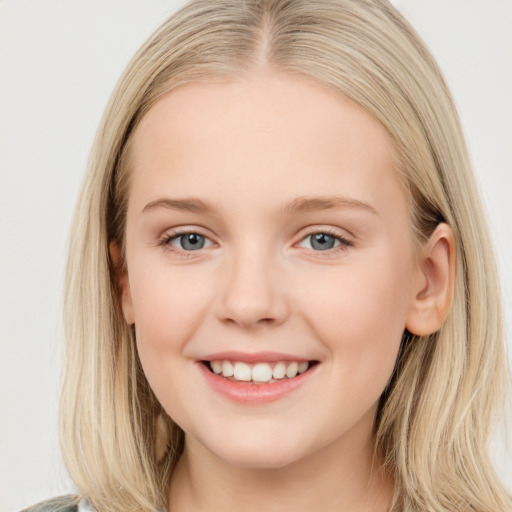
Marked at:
<point>253,294</point>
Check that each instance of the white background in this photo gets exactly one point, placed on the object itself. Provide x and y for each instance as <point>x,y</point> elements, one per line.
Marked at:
<point>59,61</point>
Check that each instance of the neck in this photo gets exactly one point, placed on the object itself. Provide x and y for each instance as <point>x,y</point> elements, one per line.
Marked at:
<point>342,476</point>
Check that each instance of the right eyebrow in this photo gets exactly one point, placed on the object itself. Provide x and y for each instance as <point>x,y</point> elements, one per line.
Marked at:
<point>189,204</point>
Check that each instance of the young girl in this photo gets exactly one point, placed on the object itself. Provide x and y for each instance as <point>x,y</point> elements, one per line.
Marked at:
<point>281,292</point>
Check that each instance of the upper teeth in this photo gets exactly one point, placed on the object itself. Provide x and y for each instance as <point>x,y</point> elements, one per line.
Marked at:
<point>259,372</point>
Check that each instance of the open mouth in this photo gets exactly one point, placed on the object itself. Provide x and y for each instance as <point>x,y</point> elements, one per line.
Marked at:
<point>258,373</point>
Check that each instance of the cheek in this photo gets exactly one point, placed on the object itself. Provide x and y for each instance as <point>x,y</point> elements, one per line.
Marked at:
<point>361,321</point>
<point>168,303</point>
<point>168,309</point>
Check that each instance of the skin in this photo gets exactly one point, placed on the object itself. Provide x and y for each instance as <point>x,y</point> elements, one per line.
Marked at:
<point>250,147</point>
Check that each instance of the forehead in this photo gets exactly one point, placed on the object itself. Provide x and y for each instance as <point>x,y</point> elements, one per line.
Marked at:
<point>267,133</point>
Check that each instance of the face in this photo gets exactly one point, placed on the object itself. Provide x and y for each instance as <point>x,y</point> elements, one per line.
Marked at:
<point>266,226</point>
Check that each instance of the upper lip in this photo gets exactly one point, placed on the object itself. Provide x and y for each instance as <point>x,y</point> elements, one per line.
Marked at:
<point>255,357</point>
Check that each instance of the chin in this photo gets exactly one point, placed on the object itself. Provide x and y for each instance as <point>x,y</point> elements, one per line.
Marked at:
<point>255,459</point>
<point>258,452</point>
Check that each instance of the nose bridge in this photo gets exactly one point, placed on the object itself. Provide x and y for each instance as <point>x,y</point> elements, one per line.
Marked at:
<point>252,294</point>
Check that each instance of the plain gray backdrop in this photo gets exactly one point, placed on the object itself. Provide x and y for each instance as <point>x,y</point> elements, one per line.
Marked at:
<point>59,61</point>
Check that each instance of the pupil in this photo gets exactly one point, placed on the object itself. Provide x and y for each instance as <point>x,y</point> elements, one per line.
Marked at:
<point>322,241</point>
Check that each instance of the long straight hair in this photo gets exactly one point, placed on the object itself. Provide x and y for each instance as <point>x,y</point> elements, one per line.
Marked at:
<point>435,416</point>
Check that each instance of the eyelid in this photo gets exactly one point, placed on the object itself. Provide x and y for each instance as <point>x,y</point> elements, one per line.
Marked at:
<point>185,230</point>
<point>342,235</point>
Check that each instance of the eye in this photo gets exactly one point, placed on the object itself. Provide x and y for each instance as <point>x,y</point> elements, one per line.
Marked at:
<point>187,242</point>
<point>324,241</point>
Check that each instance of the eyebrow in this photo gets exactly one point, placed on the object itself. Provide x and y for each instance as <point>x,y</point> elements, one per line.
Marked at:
<point>298,205</point>
<point>189,204</point>
<point>312,204</point>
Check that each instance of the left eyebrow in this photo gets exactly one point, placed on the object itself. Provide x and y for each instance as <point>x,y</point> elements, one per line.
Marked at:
<point>306,204</point>
<point>303,204</point>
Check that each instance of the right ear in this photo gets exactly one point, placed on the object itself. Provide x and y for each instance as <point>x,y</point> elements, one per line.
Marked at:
<point>122,283</point>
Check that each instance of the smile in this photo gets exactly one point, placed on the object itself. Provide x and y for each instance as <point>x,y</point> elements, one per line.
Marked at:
<point>259,372</point>
<point>255,381</point>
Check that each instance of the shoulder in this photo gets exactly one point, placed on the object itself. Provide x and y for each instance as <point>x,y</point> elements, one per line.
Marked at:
<point>68,503</point>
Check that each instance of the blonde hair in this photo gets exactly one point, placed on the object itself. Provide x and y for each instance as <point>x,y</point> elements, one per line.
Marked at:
<point>435,416</point>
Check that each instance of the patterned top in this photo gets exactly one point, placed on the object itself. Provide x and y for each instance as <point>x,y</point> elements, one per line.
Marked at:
<point>67,503</point>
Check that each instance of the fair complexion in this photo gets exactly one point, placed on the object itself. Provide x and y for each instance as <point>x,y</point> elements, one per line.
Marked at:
<point>304,249</point>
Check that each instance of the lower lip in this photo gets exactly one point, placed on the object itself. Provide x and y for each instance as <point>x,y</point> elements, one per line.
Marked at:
<point>243,392</point>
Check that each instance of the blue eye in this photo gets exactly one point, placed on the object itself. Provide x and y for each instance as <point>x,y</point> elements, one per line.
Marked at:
<point>191,241</point>
<point>322,241</point>
<point>187,241</point>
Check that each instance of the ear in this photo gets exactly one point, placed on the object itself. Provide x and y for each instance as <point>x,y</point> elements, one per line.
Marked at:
<point>122,283</point>
<point>433,292</point>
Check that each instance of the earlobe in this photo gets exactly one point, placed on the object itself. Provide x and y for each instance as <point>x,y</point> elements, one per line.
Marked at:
<point>432,297</point>
<point>123,284</point>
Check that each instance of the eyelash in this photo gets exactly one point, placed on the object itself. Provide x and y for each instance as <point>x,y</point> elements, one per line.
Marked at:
<point>169,237</point>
